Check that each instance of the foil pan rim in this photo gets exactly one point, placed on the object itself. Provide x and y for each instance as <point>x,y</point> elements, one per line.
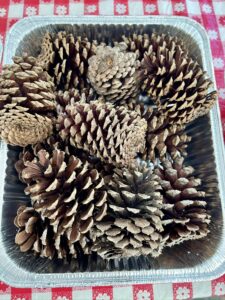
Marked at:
<point>208,270</point>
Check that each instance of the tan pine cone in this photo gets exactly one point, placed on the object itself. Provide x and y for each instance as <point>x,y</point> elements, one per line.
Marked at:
<point>177,84</point>
<point>19,127</point>
<point>133,225</point>
<point>113,73</point>
<point>64,98</point>
<point>115,135</point>
<point>66,191</point>
<point>145,43</point>
<point>185,208</point>
<point>26,84</point>
<point>162,138</point>
<point>65,57</point>
<point>37,234</point>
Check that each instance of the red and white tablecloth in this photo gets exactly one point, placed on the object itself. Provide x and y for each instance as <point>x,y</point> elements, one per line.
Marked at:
<point>211,14</point>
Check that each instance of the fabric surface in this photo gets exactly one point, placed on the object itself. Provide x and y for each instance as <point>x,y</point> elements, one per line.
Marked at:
<point>211,14</point>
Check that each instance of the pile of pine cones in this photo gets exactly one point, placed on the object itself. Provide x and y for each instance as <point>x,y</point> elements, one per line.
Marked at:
<point>105,172</point>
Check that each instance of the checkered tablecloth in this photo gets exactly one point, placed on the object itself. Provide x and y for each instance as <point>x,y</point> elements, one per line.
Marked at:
<point>211,14</point>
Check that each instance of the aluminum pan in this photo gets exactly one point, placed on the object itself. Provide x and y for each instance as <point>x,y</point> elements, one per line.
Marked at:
<point>207,163</point>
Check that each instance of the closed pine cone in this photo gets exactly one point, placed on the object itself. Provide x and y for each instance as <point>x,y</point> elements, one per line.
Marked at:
<point>133,225</point>
<point>162,138</point>
<point>144,43</point>
<point>26,84</point>
<point>177,84</point>
<point>65,57</point>
<point>113,73</point>
<point>64,98</point>
<point>65,191</point>
<point>185,209</point>
<point>115,135</point>
<point>36,234</point>
<point>19,127</point>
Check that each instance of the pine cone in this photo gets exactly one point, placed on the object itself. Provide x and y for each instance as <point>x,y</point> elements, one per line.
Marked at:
<point>185,209</point>
<point>141,44</point>
<point>66,191</point>
<point>37,234</point>
<point>162,138</point>
<point>115,135</point>
<point>133,224</point>
<point>113,73</point>
<point>177,84</point>
<point>26,84</point>
<point>65,57</point>
<point>19,127</point>
<point>64,98</point>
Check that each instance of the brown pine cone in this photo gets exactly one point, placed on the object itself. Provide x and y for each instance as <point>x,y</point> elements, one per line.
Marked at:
<point>26,84</point>
<point>19,127</point>
<point>133,225</point>
<point>64,98</point>
<point>143,43</point>
<point>113,73</point>
<point>177,84</point>
<point>66,191</point>
<point>36,234</point>
<point>162,138</point>
<point>115,135</point>
<point>65,57</point>
<point>185,209</point>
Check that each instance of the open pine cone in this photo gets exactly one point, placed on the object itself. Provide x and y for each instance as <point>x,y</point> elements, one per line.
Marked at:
<point>144,43</point>
<point>36,233</point>
<point>19,127</point>
<point>115,135</point>
<point>161,138</point>
<point>27,102</point>
<point>65,191</point>
<point>185,209</point>
<point>65,57</point>
<point>133,225</point>
<point>177,84</point>
<point>113,73</point>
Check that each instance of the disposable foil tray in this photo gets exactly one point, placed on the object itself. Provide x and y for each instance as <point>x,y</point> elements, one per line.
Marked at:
<point>191,261</point>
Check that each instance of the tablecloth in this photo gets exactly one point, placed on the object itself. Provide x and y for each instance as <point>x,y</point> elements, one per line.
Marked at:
<point>211,14</point>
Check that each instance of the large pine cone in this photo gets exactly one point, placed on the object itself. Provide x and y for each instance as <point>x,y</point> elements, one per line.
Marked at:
<point>65,57</point>
<point>113,73</point>
<point>36,233</point>
<point>161,138</point>
<point>66,191</point>
<point>115,135</point>
<point>185,209</point>
<point>177,84</point>
<point>133,225</point>
<point>26,84</point>
<point>19,127</point>
<point>144,43</point>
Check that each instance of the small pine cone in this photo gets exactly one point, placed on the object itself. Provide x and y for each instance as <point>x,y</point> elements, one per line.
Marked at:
<point>66,191</point>
<point>115,135</point>
<point>65,57</point>
<point>64,98</point>
<point>161,138</point>
<point>21,128</point>
<point>185,209</point>
<point>26,84</point>
<point>140,44</point>
<point>177,84</point>
<point>113,73</point>
<point>37,234</point>
<point>133,225</point>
